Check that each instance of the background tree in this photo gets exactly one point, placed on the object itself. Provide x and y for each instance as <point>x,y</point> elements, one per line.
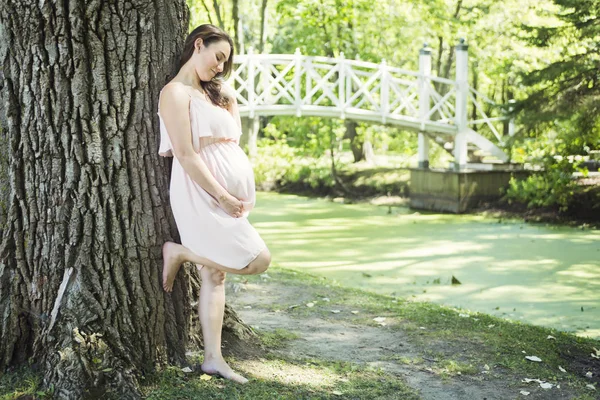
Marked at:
<point>86,210</point>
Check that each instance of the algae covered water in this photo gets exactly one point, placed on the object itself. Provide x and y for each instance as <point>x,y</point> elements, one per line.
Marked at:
<point>542,274</point>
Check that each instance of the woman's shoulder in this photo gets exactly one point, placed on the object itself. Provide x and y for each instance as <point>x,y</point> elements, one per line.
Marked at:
<point>175,88</point>
<point>174,94</point>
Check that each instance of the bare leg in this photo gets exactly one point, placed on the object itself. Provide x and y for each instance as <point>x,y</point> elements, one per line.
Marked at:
<point>175,254</point>
<point>211,310</point>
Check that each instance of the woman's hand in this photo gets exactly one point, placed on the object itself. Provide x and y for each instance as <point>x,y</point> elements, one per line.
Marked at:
<point>231,205</point>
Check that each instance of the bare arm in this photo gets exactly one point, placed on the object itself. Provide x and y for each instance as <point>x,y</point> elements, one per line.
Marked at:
<point>174,106</point>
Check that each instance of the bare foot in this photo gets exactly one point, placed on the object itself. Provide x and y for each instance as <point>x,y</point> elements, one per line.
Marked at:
<point>171,264</point>
<point>221,368</point>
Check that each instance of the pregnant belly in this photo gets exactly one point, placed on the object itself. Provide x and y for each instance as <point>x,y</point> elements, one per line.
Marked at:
<point>231,168</point>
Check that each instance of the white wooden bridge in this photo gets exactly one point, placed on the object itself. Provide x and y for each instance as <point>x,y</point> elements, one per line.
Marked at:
<point>446,111</point>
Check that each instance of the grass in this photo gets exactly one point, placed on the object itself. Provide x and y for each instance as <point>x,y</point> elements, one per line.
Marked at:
<point>276,339</point>
<point>461,340</point>
<point>21,383</point>
<point>452,344</point>
<point>284,379</point>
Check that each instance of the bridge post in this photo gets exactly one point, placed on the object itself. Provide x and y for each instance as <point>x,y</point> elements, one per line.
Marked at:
<point>511,122</point>
<point>298,82</point>
<point>253,119</point>
<point>462,93</point>
<point>424,103</point>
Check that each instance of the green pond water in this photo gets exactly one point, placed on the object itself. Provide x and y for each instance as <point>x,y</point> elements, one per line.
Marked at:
<point>536,273</point>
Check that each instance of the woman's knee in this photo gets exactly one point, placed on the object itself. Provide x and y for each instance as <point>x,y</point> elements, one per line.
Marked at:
<point>213,275</point>
<point>261,263</point>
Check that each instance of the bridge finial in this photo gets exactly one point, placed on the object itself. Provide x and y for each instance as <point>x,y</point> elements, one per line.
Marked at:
<point>297,52</point>
<point>462,44</point>
<point>425,50</point>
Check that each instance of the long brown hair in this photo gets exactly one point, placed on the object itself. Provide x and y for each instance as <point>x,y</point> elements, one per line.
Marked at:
<point>210,34</point>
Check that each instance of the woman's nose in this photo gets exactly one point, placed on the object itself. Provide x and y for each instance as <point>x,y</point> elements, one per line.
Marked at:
<point>220,67</point>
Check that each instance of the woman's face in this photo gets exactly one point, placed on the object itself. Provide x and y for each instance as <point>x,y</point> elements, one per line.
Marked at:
<point>211,59</point>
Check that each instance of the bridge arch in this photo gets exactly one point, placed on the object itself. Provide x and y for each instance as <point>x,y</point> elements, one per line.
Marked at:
<point>442,110</point>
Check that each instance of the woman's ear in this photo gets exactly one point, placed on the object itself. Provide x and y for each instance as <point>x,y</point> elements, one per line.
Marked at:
<point>198,44</point>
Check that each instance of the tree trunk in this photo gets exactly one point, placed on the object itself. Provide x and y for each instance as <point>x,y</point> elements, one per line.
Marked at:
<point>217,8</point>
<point>475,72</point>
<point>237,24</point>
<point>210,21</point>
<point>356,144</point>
<point>263,26</point>
<point>86,210</point>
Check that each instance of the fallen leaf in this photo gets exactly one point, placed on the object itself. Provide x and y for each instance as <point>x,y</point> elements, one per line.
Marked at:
<point>486,367</point>
<point>325,299</point>
<point>247,307</point>
<point>491,326</point>
<point>379,319</point>
<point>294,306</point>
<point>533,358</point>
<point>589,374</point>
<point>455,281</point>
<point>337,393</point>
<point>354,312</point>
<point>309,305</point>
<point>335,311</point>
<point>546,385</point>
<point>527,380</point>
<point>186,369</point>
<point>205,377</point>
<point>463,315</point>
<point>524,393</point>
<point>562,369</point>
<point>422,327</point>
<point>550,337</point>
<point>590,387</point>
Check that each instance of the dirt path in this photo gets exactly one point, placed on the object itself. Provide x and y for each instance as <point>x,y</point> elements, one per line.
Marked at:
<point>380,347</point>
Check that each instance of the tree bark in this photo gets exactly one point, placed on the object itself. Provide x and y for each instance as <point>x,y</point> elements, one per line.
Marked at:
<point>475,72</point>
<point>217,8</point>
<point>86,210</point>
<point>237,24</point>
<point>263,26</point>
<point>356,143</point>
<point>207,12</point>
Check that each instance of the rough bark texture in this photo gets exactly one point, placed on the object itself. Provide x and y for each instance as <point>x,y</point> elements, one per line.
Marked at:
<point>84,203</point>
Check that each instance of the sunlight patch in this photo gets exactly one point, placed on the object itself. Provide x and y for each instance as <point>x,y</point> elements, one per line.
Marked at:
<point>289,373</point>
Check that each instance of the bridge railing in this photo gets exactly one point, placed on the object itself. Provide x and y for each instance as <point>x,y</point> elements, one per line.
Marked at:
<point>295,84</point>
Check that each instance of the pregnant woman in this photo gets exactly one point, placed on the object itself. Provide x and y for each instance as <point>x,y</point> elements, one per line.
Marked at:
<point>212,183</point>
